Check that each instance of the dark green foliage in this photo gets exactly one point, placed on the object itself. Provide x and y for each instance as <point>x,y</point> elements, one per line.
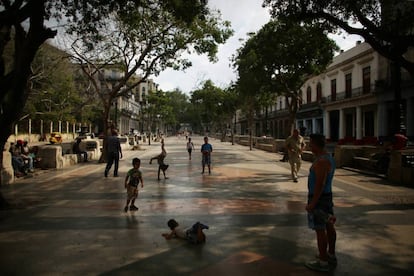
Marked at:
<point>387,25</point>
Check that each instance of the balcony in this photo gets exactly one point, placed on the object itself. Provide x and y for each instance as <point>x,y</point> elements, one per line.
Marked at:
<point>353,94</point>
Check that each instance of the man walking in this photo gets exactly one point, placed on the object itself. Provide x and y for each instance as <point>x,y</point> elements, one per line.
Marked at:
<point>114,152</point>
<point>295,145</point>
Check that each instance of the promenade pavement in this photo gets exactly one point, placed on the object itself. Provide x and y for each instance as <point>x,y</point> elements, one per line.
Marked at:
<point>71,221</point>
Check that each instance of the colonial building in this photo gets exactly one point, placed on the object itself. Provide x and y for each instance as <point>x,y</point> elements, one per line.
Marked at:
<point>353,100</point>
<point>131,107</point>
<point>127,111</point>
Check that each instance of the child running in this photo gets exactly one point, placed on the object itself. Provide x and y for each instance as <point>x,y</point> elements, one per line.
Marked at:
<point>134,176</point>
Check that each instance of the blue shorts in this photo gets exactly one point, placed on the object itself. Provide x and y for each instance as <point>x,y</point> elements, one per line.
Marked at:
<point>206,159</point>
<point>318,218</point>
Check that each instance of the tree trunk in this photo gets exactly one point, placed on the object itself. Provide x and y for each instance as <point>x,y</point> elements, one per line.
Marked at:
<point>107,129</point>
<point>14,88</point>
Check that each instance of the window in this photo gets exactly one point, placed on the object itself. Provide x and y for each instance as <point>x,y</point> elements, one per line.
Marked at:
<point>319,92</point>
<point>308,95</point>
<point>366,80</point>
<point>348,85</point>
<point>333,90</point>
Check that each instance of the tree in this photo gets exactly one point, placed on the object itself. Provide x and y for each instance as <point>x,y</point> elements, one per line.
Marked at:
<point>278,59</point>
<point>208,103</point>
<point>386,25</point>
<point>159,110</point>
<point>23,23</point>
<point>181,107</point>
<point>53,95</point>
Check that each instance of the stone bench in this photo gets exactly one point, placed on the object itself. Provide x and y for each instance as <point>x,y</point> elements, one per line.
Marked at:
<point>60,156</point>
<point>244,142</point>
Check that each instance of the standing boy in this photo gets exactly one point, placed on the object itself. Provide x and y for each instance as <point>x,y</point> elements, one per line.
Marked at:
<point>134,176</point>
<point>206,150</point>
<point>320,204</point>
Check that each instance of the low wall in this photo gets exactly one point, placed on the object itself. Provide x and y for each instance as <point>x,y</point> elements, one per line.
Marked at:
<point>344,154</point>
<point>55,156</point>
<point>36,137</point>
<point>401,168</point>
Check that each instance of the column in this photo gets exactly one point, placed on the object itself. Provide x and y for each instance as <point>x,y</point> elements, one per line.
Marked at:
<point>358,133</point>
<point>341,124</point>
<point>314,126</point>
<point>326,125</point>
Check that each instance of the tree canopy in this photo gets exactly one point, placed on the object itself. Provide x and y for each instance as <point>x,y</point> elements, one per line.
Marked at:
<point>277,60</point>
<point>387,25</point>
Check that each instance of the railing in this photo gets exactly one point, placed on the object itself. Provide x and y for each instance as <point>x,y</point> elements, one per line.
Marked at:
<point>354,93</point>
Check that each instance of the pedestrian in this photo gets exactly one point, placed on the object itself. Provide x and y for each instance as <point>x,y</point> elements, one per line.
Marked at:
<point>113,152</point>
<point>320,204</point>
<point>76,150</point>
<point>206,150</point>
<point>295,144</point>
<point>132,180</point>
<point>22,149</point>
<point>18,164</point>
<point>190,147</point>
<point>193,234</point>
<point>160,160</point>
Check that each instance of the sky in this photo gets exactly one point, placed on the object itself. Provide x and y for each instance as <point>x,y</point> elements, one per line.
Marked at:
<point>245,16</point>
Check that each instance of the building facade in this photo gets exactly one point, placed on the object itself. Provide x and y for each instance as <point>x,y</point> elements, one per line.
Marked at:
<point>352,101</point>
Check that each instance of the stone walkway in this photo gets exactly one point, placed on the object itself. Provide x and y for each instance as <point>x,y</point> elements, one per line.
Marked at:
<point>72,222</point>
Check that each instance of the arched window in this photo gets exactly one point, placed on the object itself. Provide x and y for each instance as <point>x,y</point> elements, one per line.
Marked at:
<point>319,92</point>
<point>308,95</point>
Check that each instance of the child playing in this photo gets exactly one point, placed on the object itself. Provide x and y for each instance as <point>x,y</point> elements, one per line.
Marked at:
<point>190,147</point>
<point>160,160</point>
<point>194,234</point>
<point>134,176</point>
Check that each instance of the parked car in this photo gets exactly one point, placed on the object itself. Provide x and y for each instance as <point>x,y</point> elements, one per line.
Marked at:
<point>55,138</point>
